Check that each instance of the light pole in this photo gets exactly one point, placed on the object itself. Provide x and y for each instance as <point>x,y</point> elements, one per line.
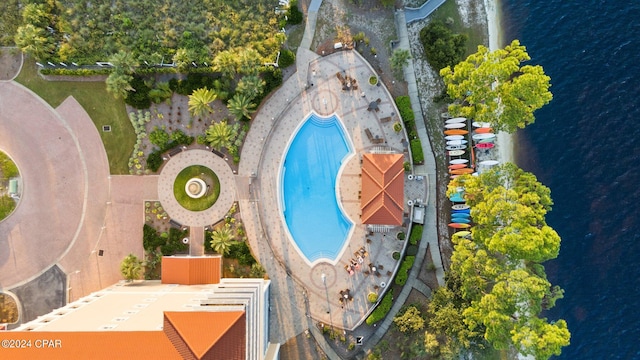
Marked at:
<point>69,285</point>
<point>326,291</point>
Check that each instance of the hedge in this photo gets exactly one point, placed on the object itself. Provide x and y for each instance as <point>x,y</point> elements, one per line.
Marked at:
<point>416,151</point>
<point>416,234</point>
<point>76,72</point>
<point>404,106</point>
<point>382,310</point>
<point>403,272</point>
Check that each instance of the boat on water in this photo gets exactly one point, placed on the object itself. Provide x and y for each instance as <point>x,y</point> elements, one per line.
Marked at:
<point>487,145</point>
<point>456,132</point>
<point>455,147</point>
<point>454,137</point>
<point>461,171</point>
<point>455,126</point>
<point>460,207</point>
<point>459,226</point>
<point>457,166</point>
<point>455,120</point>
<point>456,152</point>
<point>456,142</point>
<point>478,124</point>
<point>458,161</point>
<point>488,162</point>
<point>483,130</point>
<point>483,136</point>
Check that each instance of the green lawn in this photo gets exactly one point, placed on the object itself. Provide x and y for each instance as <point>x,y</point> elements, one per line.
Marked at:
<point>477,33</point>
<point>98,103</point>
<point>203,173</point>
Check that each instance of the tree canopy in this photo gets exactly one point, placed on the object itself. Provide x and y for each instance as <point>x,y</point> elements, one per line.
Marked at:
<point>131,267</point>
<point>442,47</point>
<point>502,287</point>
<point>495,87</point>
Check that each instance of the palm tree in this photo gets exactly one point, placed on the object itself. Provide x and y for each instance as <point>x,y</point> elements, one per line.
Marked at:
<point>251,86</point>
<point>398,60</point>
<point>182,59</point>
<point>222,240</point>
<point>220,135</point>
<point>131,267</point>
<point>119,84</point>
<point>199,101</point>
<point>124,61</point>
<point>226,63</point>
<point>241,106</point>
<point>249,61</point>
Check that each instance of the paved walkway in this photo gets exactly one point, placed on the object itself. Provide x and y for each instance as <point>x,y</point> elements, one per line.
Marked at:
<point>415,14</point>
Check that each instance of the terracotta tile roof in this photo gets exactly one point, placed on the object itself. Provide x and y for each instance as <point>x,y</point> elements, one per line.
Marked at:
<point>186,270</point>
<point>186,335</point>
<point>382,196</point>
<point>199,335</point>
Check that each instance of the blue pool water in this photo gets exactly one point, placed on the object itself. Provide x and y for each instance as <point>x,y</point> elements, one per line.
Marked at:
<point>316,223</point>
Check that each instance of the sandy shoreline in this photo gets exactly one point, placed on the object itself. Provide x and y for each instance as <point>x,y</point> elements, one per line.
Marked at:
<point>505,140</point>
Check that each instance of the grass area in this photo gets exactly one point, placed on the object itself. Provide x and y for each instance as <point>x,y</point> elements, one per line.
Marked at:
<point>477,33</point>
<point>98,103</point>
<point>201,172</point>
<point>294,37</point>
<point>7,205</point>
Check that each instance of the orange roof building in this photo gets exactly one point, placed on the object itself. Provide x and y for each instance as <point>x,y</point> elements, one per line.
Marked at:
<point>382,195</point>
<point>215,319</point>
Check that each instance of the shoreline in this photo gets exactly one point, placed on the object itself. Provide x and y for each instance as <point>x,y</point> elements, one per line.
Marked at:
<point>506,148</point>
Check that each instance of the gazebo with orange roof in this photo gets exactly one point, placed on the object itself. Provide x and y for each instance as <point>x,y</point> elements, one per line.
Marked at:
<point>382,196</point>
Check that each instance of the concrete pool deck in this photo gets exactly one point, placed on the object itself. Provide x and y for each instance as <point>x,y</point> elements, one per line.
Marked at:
<point>301,292</point>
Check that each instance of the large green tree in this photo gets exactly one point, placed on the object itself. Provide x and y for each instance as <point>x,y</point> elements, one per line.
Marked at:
<point>442,47</point>
<point>34,41</point>
<point>494,87</point>
<point>502,284</point>
<point>200,100</point>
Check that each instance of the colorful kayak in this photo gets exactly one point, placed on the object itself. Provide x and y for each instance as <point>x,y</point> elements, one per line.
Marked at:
<point>454,137</point>
<point>461,171</point>
<point>457,166</point>
<point>460,221</point>
<point>457,197</point>
<point>460,207</point>
<point>456,142</point>
<point>456,152</point>
<point>483,130</point>
<point>482,141</point>
<point>463,233</point>
<point>477,124</point>
<point>455,147</point>
<point>459,226</point>
<point>456,120</point>
<point>456,132</point>
<point>488,162</point>
<point>455,126</point>
<point>487,145</point>
<point>483,136</point>
<point>458,161</point>
<point>460,215</point>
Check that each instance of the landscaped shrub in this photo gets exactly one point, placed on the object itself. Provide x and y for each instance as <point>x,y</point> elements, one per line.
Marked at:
<point>294,15</point>
<point>154,161</point>
<point>416,234</point>
<point>416,151</point>
<point>382,310</point>
<point>192,82</point>
<point>159,137</point>
<point>272,78</point>
<point>178,137</point>
<point>242,253</point>
<point>287,58</point>
<point>403,272</point>
<point>75,72</point>
<point>395,255</point>
<point>412,250</point>
<point>139,96</point>
<point>400,236</point>
<point>372,297</point>
<point>404,106</point>
<point>174,242</point>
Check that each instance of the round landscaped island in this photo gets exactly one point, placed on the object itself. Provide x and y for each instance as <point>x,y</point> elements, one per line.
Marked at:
<point>196,188</point>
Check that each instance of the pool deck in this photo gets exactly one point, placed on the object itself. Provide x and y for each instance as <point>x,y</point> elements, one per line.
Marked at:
<point>301,292</point>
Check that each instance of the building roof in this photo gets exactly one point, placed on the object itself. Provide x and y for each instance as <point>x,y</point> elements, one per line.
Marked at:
<point>382,195</point>
<point>191,270</point>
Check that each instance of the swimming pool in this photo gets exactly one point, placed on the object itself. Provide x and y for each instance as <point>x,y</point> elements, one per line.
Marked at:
<point>308,194</point>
